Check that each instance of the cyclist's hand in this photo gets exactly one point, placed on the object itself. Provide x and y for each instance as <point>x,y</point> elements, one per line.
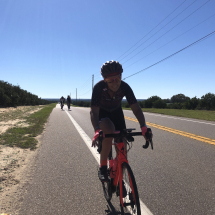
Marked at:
<point>147,133</point>
<point>95,138</point>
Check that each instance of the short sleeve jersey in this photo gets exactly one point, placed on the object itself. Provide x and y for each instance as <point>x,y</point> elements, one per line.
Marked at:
<point>62,99</point>
<point>101,98</point>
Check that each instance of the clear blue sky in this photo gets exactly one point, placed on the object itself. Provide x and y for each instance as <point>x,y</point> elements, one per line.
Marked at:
<point>52,47</point>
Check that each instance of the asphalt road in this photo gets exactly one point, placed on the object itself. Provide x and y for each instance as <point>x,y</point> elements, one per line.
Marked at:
<point>177,177</point>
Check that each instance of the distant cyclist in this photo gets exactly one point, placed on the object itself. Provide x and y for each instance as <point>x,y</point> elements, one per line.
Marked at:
<point>68,100</point>
<point>106,111</point>
<point>62,100</point>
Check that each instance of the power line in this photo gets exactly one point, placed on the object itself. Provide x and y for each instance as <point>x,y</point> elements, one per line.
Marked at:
<point>166,32</point>
<point>85,82</point>
<point>205,37</point>
<point>151,30</point>
<point>98,75</point>
<point>95,80</point>
<point>89,84</point>
<point>86,92</point>
<point>171,41</point>
<point>160,29</point>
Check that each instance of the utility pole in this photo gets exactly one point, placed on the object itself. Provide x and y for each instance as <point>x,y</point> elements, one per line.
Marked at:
<point>76,96</point>
<point>92,82</point>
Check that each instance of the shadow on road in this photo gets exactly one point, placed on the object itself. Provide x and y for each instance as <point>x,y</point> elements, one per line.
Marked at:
<point>111,210</point>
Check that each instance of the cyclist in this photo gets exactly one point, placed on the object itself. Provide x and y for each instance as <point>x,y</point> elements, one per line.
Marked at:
<point>62,100</point>
<point>106,111</point>
<point>68,102</point>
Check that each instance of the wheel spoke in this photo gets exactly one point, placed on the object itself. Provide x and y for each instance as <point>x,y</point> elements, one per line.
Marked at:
<point>131,202</point>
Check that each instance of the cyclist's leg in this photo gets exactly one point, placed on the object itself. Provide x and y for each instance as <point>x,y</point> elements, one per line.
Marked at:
<point>118,119</point>
<point>107,127</point>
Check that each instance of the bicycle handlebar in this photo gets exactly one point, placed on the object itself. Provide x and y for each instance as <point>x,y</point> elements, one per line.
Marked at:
<point>129,135</point>
<point>123,134</point>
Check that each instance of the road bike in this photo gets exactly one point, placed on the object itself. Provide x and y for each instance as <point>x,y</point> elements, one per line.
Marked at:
<point>120,176</point>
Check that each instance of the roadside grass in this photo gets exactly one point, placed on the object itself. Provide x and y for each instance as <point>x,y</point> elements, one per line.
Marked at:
<point>24,137</point>
<point>15,114</point>
<point>194,114</point>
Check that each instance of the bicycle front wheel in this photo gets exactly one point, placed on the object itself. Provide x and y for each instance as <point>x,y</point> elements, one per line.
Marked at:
<point>131,202</point>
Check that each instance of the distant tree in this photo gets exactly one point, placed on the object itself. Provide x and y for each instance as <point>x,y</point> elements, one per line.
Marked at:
<point>12,96</point>
<point>142,104</point>
<point>167,100</point>
<point>194,103</point>
<point>159,104</point>
<point>175,106</point>
<point>125,104</point>
<point>81,103</point>
<point>179,98</point>
<point>149,101</point>
<point>1,95</point>
<point>208,101</point>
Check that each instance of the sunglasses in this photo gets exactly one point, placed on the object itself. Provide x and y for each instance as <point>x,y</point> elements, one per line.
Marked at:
<point>111,80</point>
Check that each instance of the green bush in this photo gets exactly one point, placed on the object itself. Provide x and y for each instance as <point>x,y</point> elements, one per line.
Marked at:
<point>159,104</point>
<point>149,101</point>
<point>208,101</point>
<point>12,96</point>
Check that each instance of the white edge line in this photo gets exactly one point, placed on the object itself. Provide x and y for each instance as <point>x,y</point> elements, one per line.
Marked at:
<point>88,142</point>
<point>86,138</point>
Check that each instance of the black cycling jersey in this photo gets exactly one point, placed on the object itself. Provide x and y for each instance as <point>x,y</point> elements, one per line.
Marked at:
<point>62,100</point>
<point>101,98</point>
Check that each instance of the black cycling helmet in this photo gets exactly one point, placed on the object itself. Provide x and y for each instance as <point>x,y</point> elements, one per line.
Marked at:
<point>111,68</point>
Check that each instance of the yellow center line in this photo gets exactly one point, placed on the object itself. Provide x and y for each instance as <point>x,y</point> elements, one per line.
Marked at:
<point>182,133</point>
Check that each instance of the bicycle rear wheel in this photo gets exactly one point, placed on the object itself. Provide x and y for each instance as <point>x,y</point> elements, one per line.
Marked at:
<point>131,202</point>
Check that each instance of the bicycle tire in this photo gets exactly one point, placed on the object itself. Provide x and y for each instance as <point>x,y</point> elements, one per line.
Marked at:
<point>131,202</point>
<point>107,190</point>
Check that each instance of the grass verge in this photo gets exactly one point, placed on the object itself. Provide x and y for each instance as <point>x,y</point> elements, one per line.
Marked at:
<point>24,137</point>
<point>194,114</point>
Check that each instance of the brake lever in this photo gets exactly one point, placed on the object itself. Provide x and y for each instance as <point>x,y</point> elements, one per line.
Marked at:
<point>148,136</point>
<point>151,144</point>
<point>146,145</point>
<point>99,148</point>
<point>100,142</point>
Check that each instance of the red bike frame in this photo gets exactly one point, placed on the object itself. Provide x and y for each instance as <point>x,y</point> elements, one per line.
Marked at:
<point>121,155</point>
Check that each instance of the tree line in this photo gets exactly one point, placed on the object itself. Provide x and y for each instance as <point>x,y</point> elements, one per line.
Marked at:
<point>13,96</point>
<point>179,101</point>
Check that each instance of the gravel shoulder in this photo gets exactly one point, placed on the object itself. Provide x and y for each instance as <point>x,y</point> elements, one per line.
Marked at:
<point>15,163</point>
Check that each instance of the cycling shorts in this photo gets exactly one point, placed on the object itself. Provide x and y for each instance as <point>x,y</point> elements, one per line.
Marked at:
<point>116,116</point>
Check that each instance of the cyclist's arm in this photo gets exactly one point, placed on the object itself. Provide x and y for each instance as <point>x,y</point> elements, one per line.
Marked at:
<point>94,115</point>
<point>138,113</point>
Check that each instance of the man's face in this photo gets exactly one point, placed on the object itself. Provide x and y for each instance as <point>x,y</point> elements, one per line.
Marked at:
<point>113,82</point>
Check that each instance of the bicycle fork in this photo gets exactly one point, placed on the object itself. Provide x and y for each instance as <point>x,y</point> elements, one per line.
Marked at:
<point>118,180</point>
